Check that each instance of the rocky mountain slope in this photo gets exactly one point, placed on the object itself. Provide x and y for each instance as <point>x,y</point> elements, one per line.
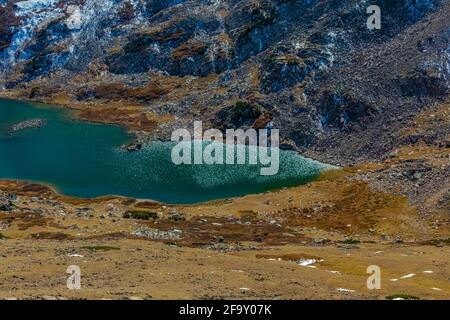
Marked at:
<point>338,91</point>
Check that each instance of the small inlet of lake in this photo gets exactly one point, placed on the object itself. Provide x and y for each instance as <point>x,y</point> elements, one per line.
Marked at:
<point>45,144</point>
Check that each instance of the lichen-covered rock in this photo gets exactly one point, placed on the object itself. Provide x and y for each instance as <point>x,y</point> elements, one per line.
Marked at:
<point>345,111</point>
<point>27,124</point>
<point>6,201</point>
<point>241,115</point>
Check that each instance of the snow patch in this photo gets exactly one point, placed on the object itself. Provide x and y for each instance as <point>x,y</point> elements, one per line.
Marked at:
<point>307,262</point>
<point>343,290</point>
<point>33,5</point>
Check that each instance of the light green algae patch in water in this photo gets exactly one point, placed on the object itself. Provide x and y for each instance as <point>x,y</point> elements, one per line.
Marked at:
<point>85,160</point>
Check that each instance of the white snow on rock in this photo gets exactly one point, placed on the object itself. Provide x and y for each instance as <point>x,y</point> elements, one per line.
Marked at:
<point>307,262</point>
<point>33,5</point>
<point>343,290</point>
<point>35,14</point>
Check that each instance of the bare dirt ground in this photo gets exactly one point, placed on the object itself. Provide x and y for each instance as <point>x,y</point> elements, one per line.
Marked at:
<point>253,247</point>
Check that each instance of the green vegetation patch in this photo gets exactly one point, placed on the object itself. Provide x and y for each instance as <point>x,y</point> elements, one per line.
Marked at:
<point>438,242</point>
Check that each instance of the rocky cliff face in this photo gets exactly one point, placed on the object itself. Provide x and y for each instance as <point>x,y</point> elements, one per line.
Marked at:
<point>310,67</point>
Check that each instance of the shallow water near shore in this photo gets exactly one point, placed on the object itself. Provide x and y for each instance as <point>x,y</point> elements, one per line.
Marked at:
<point>85,160</point>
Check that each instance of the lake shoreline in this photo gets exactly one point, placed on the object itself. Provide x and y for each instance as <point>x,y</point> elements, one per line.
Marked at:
<point>21,185</point>
<point>130,172</point>
<point>121,113</point>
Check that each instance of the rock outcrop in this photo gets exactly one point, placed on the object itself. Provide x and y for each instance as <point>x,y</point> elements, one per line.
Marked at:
<point>27,124</point>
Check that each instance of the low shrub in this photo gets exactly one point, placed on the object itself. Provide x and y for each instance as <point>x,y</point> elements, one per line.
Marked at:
<point>140,215</point>
<point>101,248</point>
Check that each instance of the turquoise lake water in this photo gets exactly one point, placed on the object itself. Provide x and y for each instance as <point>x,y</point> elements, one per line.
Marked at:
<point>85,160</point>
